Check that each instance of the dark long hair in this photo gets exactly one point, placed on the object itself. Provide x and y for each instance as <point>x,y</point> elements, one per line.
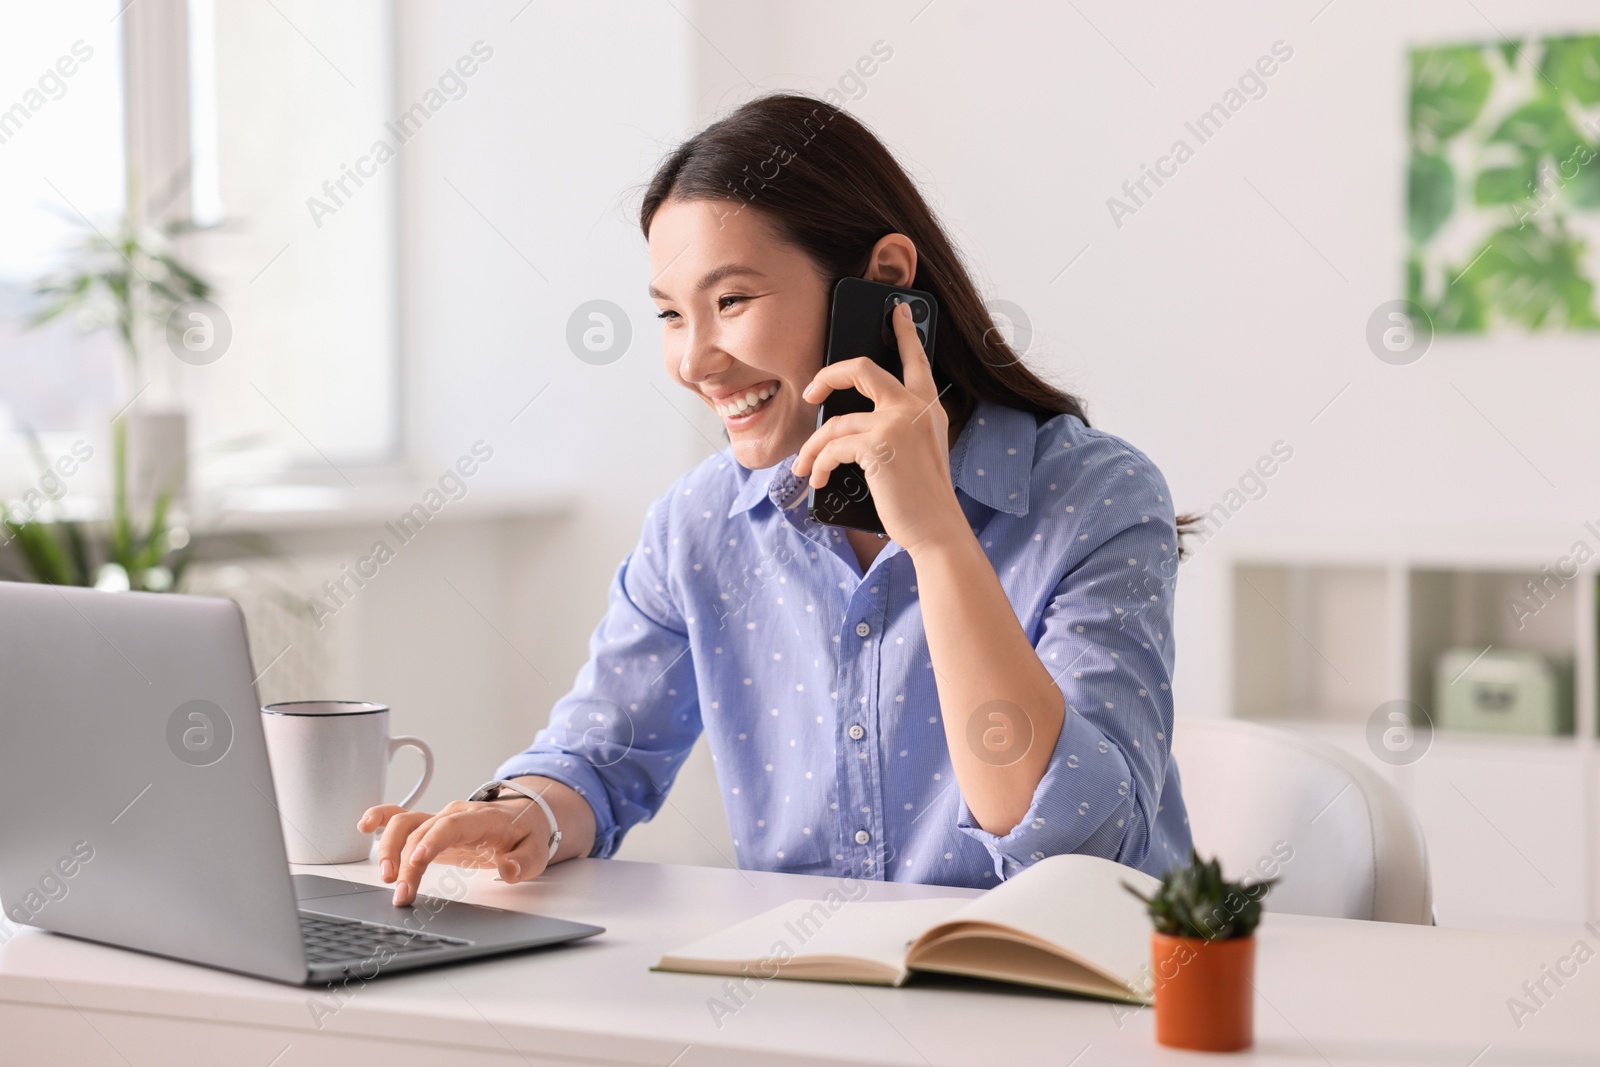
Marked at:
<point>826,184</point>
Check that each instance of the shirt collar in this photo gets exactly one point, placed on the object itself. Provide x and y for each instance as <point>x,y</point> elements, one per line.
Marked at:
<point>992,462</point>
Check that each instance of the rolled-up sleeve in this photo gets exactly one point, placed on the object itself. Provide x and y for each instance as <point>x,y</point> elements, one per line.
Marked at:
<point>621,734</point>
<point>1106,637</point>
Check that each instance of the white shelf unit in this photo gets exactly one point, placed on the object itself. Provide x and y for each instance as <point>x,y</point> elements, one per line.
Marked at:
<point>1513,821</point>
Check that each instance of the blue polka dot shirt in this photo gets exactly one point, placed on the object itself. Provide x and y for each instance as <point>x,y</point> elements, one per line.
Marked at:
<point>738,616</point>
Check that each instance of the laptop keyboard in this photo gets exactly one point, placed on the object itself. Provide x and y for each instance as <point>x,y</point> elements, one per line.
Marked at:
<point>330,940</point>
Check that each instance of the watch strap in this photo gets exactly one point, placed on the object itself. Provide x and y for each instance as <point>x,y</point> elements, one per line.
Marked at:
<point>496,789</point>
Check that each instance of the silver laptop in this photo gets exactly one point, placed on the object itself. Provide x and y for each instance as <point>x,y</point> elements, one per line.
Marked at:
<point>106,833</point>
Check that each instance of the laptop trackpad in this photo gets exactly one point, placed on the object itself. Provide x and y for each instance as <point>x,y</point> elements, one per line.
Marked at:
<point>474,922</point>
<point>307,886</point>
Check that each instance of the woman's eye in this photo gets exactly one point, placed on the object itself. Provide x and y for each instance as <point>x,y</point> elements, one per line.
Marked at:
<point>726,301</point>
<point>664,314</point>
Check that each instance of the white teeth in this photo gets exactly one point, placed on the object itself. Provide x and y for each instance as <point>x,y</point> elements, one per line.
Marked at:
<point>748,402</point>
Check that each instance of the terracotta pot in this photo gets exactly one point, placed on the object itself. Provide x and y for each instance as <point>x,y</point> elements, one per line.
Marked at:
<point>1204,996</point>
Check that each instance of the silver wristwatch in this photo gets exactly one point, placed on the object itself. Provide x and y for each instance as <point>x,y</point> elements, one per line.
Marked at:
<point>496,789</point>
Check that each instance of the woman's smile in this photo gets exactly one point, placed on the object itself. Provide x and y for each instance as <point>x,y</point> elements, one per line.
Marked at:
<point>743,407</point>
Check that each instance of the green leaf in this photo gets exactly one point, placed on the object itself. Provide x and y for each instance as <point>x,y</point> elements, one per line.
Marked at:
<point>1195,900</point>
<point>1448,88</point>
<point>41,552</point>
<point>1572,65</point>
<point>1506,185</point>
<point>78,550</point>
<point>1459,309</point>
<point>1541,125</point>
<point>1535,277</point>
<point>1582,189</point>
<point>1430,195</point>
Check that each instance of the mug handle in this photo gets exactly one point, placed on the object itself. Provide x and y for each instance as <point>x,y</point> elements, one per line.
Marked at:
<point>395,745</point>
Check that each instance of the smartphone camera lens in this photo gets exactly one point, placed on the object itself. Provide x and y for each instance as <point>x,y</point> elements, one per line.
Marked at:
<point>919,310</point>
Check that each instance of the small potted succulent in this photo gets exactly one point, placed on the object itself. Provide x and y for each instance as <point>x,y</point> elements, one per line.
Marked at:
<point>1202,956</point>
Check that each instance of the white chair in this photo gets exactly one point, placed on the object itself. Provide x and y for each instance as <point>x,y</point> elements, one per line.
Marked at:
<point>1344,842</point>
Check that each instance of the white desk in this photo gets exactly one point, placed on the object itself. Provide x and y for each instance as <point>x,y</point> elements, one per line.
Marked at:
<point>1330,992</point>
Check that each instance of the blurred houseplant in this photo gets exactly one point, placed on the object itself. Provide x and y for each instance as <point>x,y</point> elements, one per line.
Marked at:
<point>131,280</point>
<point>1203,956</point>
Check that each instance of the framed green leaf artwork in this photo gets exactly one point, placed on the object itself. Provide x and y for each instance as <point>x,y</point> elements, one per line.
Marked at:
<point>1503,185</point>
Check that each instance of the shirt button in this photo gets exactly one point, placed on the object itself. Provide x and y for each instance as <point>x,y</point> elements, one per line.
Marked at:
<point>862,837</point>
<point>862,629</point>
<point>856,732</point>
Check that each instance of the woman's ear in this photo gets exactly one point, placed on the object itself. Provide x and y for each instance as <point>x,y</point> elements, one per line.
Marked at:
<point>893,260</point>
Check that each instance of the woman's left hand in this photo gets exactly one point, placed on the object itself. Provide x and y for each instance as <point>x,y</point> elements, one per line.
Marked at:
<point>902,445</point>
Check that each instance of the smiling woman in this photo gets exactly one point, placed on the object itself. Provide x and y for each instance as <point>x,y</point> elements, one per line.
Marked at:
<point>1011,637</point>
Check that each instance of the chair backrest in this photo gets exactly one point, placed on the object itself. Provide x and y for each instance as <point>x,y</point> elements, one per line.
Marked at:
<point>1343,841</point>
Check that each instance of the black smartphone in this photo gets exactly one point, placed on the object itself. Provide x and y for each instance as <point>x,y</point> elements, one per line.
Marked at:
<point>859,325</point>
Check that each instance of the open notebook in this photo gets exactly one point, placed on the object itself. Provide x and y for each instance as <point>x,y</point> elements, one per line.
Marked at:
<point>1064,923</point>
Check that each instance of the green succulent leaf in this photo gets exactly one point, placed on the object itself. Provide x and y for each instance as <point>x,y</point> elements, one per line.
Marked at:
<point>1195,900</point>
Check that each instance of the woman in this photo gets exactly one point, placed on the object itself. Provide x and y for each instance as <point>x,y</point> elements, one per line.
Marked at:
<point>986,685</point>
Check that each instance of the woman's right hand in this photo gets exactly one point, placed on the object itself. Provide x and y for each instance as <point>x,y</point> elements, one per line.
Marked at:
<point>509,835</point>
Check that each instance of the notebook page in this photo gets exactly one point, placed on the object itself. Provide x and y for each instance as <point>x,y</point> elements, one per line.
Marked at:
<point>1078,903</point>
<point>872,930</point>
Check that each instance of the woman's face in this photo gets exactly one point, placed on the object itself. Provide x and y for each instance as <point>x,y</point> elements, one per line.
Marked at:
<point>744,316</point>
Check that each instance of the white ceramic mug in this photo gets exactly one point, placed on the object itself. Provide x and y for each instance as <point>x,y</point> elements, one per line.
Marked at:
<point>330,763</point>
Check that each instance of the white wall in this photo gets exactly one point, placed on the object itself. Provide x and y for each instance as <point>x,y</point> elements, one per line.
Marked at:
<point>1231,308</point>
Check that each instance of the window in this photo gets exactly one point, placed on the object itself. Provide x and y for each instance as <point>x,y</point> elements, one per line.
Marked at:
<point>275,105</point>
<point>61,154</point>
<point>306,266</point>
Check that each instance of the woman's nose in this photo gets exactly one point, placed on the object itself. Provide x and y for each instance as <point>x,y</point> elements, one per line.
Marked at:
<point>702,356</point>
